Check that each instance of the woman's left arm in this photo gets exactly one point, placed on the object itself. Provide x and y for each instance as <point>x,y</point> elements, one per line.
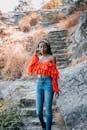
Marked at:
<point>56,93</point>
<point>54,60</point>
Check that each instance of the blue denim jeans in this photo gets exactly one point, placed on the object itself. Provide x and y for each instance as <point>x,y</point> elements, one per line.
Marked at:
<point>44,95</point>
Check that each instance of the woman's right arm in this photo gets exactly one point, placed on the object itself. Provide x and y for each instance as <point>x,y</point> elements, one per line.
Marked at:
<point>33,63</point>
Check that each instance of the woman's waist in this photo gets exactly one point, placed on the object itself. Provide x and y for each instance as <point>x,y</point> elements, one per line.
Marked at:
<point>43,76</point>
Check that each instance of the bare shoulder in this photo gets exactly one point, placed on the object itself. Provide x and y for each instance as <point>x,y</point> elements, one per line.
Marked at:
<point>53,59</point>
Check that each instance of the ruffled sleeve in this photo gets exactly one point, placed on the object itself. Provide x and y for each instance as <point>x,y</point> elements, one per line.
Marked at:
<point>55,77</point>
<point>33,64</point>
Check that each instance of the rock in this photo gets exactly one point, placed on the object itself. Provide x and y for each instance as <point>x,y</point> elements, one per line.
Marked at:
<point>68,9</point>
<point>13,17</point>
<point>15,90</point>
<point>74,1</point>
<point>81,31</point>
<point>81,37</point>
<point>73,98</point>
<point>1,95</point>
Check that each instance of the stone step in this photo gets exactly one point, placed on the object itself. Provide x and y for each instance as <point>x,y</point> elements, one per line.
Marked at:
<point>35,121</point>
<point>61,55</point>
<point>31,111</point>
<point>62,63</point>
<point>27,102</point>
<point>62,51</point>
<point>58,43</point>
<point>57,35</point>
<point>54,127</point>
<point>62,66</point>
<point>56,53</point>
<point>57,48</point>
<point>57,39</point>
<point>27,112</point>
<point>67,60</point>
<point>62,33</point>
<point>54,47</point>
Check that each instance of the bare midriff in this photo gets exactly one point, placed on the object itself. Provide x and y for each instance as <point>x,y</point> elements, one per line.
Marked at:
<point>42,76</point>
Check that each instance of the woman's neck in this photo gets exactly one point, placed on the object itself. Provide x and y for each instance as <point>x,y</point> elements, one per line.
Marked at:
<point>45,54</point>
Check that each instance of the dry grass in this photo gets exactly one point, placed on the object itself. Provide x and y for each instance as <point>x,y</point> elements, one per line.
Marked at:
<point>55,17</point>
<point>2,62</point>
<point>77,61</point>
<point>82,7</point>
<point>52,4</point>
<point>60,120</point>
<point>4,33</point>
<point>70,21</point>
<point>39,34</point>
<point>29,20</point>
<point>69,53</point>
<point>15,54</point>
<point>13,57</point>
<point>13,67</point>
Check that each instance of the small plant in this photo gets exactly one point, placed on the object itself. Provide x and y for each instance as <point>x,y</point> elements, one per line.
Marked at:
<point>11,119</point>
<point>53,17</point>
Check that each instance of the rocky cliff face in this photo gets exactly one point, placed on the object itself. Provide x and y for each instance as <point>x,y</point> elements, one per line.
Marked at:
<point>81,36</point>
<point>72,102</point>
<point>66,30</point>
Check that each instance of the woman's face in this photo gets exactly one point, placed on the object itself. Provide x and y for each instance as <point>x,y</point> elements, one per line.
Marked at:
<point>43,48</point>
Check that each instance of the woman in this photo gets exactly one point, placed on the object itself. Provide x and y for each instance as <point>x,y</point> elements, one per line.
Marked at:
<point>43,64</point>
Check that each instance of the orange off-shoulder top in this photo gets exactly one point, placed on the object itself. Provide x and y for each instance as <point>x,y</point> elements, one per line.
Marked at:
<point>45,68</point>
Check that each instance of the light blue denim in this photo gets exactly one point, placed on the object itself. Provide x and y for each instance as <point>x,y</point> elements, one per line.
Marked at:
<point>44,95</point>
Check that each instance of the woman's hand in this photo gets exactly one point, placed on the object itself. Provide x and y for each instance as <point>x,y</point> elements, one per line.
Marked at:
<point>56,95</point>
<point>36,52</point>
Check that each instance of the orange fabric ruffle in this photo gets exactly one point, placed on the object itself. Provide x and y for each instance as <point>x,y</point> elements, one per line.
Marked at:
<point>45,68</point>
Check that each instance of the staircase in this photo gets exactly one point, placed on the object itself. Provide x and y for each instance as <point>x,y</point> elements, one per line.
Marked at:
<point>28,111</point>
<point>59,46</point>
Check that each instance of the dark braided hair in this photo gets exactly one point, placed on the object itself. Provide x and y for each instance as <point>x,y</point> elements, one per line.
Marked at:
<point>47,44</point>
